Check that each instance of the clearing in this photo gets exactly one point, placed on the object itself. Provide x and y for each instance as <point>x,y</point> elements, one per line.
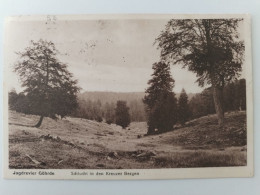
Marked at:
<point>75,143</point>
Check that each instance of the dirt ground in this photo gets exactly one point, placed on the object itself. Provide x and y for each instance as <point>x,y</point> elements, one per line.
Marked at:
<point>75,143</point>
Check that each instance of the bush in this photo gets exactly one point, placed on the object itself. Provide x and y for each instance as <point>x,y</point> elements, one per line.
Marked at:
<point>99,119</point>
<point>122,114</point>
<point>109,121</point>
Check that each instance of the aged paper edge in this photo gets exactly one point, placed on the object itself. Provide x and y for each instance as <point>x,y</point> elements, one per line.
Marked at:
<point>165,173</point>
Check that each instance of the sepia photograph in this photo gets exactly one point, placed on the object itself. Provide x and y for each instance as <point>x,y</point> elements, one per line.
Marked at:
<point>128,97</point>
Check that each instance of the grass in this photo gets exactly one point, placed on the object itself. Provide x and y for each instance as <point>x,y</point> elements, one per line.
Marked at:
<point>85,144</point>
<point>201,159</point>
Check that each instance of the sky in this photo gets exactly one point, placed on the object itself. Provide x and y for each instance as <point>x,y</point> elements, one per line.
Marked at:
<point>103,55</point>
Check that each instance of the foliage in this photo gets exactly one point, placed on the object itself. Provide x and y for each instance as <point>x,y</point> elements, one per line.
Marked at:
<point>137,110</point>
<point>211,48</point>
<point>183,107</point>
<point>234,99</point>
<point>208,47</point>
<point>49,86</point>
<point>202,104</point>
<point>109,113</point>
<point>235,95</point>
<point>122,116</point>
<point>160,100</point>
<point>163,114</point>
<point>18,102</point>
<point>93,109</point>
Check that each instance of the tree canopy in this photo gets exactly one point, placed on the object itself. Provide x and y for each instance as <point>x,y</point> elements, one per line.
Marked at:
<point>161,104</point>
<point>48,85</point>
<point>211,48</point>
<point>122,115</point>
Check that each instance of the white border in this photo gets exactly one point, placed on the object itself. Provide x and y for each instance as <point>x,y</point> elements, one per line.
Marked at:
<point>169,173</point>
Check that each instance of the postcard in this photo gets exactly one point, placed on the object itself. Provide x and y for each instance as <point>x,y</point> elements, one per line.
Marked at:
<point>128,97</point>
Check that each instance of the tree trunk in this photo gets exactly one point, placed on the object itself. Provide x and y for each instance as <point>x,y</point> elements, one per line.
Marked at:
<point>150,131</point>
<point>40,122</point>
<point>218,101</point>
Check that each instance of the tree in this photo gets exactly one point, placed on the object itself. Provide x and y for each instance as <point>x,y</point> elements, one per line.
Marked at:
<point>183,107</point>
<point>211,48</point>
<point>241,94</point>
<point>122,115</point>
<point>12,99</point>
<point>109,112</point>
<point>229,93</point>
<point>18,102</point>
<point>235,95</point>
<point>49,86</point>
<point>97,111</point>
<point>161,104</point>
<point>137,110</point>
<point>202,104</point>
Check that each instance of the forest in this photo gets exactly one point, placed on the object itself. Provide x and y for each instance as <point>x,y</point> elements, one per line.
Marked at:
<point>100,106</point>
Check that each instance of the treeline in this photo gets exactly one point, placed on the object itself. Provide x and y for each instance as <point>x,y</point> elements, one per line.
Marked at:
<point>234,99</point>
<point>19,102</point>
<point>88,109</point>
<point>96,110</point>
<point>117,113</point>
<point>164,110</point>
<point>109,96</point>
<point>199,105</point>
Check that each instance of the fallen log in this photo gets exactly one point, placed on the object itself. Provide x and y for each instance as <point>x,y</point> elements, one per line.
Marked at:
<point>33,160</point>
<point>60,162</point>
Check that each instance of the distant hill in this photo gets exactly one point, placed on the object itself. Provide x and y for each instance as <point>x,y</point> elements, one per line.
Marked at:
<point>99,104</point>
<point>111,96</point>
<point>115,96</point>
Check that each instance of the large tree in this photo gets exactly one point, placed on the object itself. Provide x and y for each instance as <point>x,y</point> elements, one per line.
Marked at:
<point>161,104</point>
<point>211,48</point>
<point>48,85</point>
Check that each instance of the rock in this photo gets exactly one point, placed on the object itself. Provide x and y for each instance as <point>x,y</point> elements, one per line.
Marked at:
<point>113,154</point>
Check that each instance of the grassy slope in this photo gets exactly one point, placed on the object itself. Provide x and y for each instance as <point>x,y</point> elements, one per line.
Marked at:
<point>80,143</point>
